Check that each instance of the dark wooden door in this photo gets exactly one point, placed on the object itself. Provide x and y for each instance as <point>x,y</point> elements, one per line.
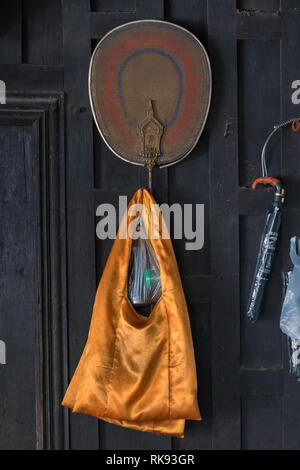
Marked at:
<point>55,170</point>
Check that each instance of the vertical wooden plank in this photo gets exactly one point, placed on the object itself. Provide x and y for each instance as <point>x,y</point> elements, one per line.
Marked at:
<point>150,9</point>
<point>261,422</point>
<point>259,82</point>
<point>80,226</point>
<point>198,434</point>
<point>11,32</point>
<point>224,226</point>
<point>42,32</point>
<point>191,14</point>
<point>153,9</point>
<point>290,175</point>
<point>57,264</point>
<point>113,5</point>
<point>112,173</point>
<point>189,184</point>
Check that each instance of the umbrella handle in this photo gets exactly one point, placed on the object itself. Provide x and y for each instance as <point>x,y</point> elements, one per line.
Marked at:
<point>275,183</point>
<point>265,180</point>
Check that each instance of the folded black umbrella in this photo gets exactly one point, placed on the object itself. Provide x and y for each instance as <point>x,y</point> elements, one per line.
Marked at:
<point>266,250</point>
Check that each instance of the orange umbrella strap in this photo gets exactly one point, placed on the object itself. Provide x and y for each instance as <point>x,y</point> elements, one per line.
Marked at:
<point>279,196</point>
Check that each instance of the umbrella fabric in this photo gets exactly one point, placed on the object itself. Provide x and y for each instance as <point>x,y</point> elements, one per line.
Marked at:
<point>137,371</point>
<point>264,264</point>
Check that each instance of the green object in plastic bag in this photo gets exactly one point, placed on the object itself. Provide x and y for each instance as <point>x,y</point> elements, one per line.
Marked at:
<point>148,278</point>
<point>144,285</point>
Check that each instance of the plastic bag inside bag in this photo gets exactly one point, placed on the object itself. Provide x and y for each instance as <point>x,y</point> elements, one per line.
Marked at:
<point>144,286</point>
<point>292,344</point>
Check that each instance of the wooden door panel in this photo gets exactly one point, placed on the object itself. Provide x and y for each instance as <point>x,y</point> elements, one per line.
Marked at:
<point>33,295</point>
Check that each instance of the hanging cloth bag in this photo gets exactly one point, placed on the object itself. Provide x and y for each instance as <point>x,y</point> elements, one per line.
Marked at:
<point>138,371</point>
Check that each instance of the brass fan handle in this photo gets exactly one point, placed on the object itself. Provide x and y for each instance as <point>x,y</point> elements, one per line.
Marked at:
<point>151,131</point>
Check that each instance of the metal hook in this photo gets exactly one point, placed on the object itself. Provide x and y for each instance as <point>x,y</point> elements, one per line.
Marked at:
<point>263,153</point>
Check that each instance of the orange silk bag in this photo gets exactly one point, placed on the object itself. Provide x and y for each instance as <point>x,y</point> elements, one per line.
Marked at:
<point>137,371</point>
